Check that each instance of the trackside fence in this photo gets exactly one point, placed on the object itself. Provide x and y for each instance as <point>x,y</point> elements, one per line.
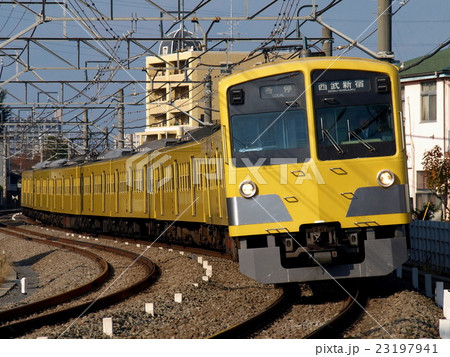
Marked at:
<point>430,245</point>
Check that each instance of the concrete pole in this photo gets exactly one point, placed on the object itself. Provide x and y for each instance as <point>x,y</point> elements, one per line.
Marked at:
<point>120,129</point>
<point>85,131</point>
<point>105,131</point>
<point>5,170</point>
<point>208,102</point>
<point>385,28</point>
<point>327,41</point>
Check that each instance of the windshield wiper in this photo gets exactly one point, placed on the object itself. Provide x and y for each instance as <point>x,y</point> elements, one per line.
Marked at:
<point>362,141</point>
<point>335,144</point>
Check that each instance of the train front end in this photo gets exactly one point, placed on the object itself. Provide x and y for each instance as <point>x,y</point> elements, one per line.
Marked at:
<point>315,169</point>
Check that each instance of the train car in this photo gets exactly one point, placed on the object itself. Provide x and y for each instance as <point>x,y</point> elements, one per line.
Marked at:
<point>315,161</point>
<point>304,179</point>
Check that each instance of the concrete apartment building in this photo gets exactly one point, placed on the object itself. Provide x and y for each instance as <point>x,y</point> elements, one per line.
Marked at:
<point>426,111</point>
<point>183,86</point>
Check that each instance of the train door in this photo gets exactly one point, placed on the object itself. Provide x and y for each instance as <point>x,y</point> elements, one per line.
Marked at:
<point>116,190</point>
<point>161,185</point>
<point>175,175</point>
<point>72,193</point>
<point>91,191</point>
<point>154,184</point>
<point>103,190</point>
<point>193,178</point>
<point>81,193</point>
<point>130,187</point>
<point>219,182</point>
<point>145,188</point>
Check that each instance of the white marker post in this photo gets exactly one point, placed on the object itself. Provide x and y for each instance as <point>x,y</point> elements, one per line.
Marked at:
<point>444,324</point>
<point>446,304</point>
<point>23,285</point>
<point>108,326</point>
<point>178,298</point>
<point>149,308</point>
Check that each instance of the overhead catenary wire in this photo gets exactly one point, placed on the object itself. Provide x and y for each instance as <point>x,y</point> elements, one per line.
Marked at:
<point>95,32</point>
<point>84,9</point>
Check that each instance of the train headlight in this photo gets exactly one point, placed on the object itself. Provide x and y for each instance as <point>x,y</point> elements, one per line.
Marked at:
<point>247,189</point>
<point>385,178</point>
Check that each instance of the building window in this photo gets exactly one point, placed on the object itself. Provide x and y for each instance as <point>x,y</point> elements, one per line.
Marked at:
<point>421,182</point>
<point>428,93</point>
<point>422,200</point>
<point>181,119</point>
<point>423,194</point>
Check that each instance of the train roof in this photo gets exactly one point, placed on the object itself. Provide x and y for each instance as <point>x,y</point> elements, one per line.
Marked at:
<point>193,135</point>
<point>156,144</point>
<point>115,154</point>
<point>200,133</point>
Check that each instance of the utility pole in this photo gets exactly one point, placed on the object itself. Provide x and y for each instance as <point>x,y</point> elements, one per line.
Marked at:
<point>120,135</point>
<point>105,131</point>
<point>5,170</point>
<point>327,41</point>
<point>208,101</point>
<point>385,29</point>
<point>85,131</point>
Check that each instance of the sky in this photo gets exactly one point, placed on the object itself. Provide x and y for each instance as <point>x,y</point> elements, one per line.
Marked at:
<point>419,26</point>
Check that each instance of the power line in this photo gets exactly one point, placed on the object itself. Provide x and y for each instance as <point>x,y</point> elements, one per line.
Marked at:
<point>427,56</point>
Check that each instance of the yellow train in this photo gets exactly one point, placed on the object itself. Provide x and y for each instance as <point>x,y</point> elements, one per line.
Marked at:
<point>304,179</point>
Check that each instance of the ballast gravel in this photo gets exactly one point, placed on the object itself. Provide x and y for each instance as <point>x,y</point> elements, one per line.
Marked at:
<point>396,310</point>
<point>227,298</point>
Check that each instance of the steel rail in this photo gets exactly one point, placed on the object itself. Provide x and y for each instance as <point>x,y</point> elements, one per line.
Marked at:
<point>18,328</point>
<point>258,321</point>
<point>20,311</point>
<point>347,317</point>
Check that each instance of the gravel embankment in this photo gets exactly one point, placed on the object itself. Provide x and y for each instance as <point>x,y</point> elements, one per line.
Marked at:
<point>226,299</point>
<point>317,303</point>
<point>3,265</point>
<point>48,270</point>
<point>395,310</point>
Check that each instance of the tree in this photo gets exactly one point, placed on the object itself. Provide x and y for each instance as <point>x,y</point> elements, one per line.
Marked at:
<point>426,213</point>
<point>437,175</point>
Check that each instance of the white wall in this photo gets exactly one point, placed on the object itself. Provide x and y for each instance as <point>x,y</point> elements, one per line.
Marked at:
<point>423,136</point>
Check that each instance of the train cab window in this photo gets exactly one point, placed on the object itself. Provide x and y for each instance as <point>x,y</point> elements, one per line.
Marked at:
<point>268,124</point>
<point>353,114</point>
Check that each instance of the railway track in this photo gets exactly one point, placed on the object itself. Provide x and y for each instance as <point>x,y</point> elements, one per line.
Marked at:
<point>258,321</point>
<point>334,328</point>
<point>14,313</point>
<point>17,328</point>
<point>248,328</point>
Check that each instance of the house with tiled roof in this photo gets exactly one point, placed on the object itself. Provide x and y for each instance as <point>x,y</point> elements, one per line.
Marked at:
<point>426,111</point>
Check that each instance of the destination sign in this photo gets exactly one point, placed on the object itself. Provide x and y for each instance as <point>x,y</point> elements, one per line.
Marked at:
<point>342,86</point>
<point>279,91</point>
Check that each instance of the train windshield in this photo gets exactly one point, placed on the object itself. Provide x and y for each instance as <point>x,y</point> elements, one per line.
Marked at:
<point>268,121</point>
<point>353,114</point>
